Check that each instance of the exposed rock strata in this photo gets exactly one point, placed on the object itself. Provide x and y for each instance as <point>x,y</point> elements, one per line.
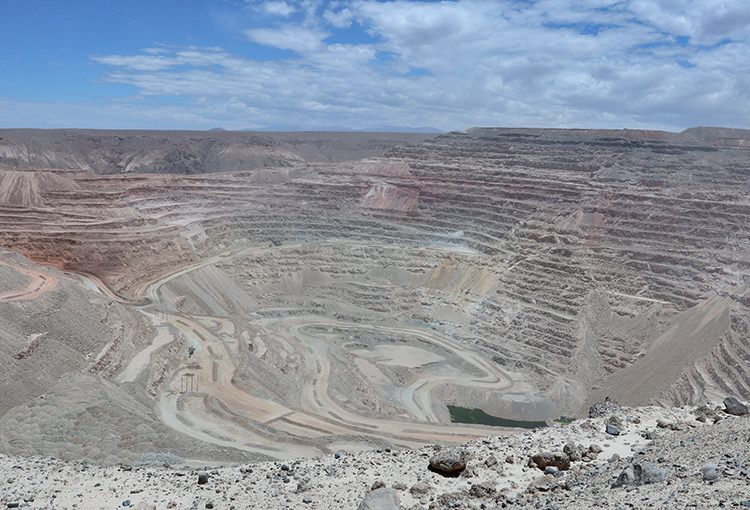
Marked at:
<point>529,273</point>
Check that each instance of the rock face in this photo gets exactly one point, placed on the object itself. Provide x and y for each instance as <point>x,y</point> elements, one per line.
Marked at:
<point>390,198</point>
<point>449,461</point>
<point>735,407</point>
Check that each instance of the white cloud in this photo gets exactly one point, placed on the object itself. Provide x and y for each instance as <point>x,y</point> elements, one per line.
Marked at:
<point>298,39</point>
<point>413,25</point>
<point>308,8</point>
<point>279,8</point>
<point>454,64</point>
<point>339,19</point>
<point>137,62</point>
<point>704,21</point>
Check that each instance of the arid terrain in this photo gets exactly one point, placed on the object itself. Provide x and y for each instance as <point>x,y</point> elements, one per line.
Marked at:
<point>684,458</point>
<point>233,297</point>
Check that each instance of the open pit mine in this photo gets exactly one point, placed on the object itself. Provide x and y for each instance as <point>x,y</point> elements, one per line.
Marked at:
<point>233,297</point>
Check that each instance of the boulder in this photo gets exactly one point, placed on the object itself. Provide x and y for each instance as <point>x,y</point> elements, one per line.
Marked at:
<point>663,424</point>
<point>420,488</point>
<point>666,424</point>
<point>560,460</point>
<point>616,421</point>
<point>641,474</point>
<point>482,490</point>
<point>449,461</point>
<point>542,484</point>
<point>574,452</point>
<point>648,472</point>
<point>380,499</point>
<point>613,430</point>
<point>710,472</point>
<point>735,407</point>
<point>704,413</point>
<point>627,477</point>
<point>450,499</point>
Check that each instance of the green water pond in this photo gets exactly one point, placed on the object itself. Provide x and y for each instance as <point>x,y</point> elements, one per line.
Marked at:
<point>464,415</point>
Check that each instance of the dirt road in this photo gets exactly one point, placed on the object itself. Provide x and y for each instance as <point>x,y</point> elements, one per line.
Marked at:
<point>39,284</point>
<point>201,398</point>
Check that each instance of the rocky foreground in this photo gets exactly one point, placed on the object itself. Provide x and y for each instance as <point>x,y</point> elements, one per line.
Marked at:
<point>688,457</point>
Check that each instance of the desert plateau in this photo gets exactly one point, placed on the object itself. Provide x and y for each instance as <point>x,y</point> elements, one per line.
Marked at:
<point>304,316</point>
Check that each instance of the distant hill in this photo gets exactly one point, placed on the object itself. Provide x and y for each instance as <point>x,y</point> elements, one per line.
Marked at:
<point>342,129</point>
<point>189,152</point>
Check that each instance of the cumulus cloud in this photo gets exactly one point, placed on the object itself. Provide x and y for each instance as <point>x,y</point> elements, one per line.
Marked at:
<point>454,64</point>
<point>704,21</point>
<point>339,19</point>
<point>279,8</point>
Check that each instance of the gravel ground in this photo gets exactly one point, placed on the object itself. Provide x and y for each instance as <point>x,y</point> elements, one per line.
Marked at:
<point>497,472</point>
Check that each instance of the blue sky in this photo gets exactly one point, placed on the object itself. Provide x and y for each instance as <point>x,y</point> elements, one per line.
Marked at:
<point>369,64</point>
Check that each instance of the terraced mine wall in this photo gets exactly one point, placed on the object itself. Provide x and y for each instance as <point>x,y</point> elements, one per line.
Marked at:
<point>333,303</point>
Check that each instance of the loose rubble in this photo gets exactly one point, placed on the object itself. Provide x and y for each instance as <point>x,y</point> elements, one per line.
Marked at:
<point>691,463</point>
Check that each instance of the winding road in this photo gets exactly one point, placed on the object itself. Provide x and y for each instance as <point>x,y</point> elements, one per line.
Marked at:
<point>39,284</point>
<point>217,410</point>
